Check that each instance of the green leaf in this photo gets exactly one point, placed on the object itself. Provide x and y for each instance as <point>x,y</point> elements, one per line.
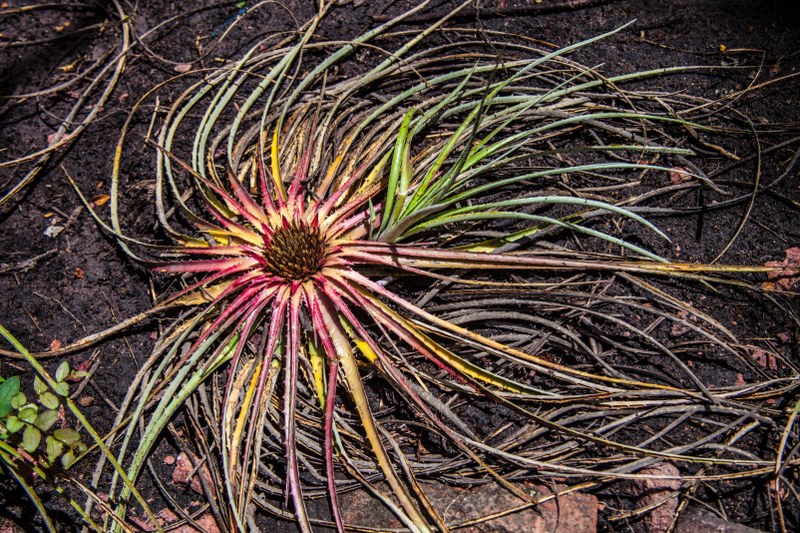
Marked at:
<point>18,400</point>
<point>395,169</point>
<point>61,388</point>
<point>31,438</point>
<point>8,390</point>
<point>67,435</point>
<point>68,459</point>
<point>80,447</point>
<point>28,413</point>
<point>46,419</point>
<point>62,372</point>
<point>54,448</point>
<point>39,386</point>
<point>49,400</point>
<point>14,424</point>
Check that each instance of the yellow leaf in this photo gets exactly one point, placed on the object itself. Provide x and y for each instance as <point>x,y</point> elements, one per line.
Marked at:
<point>365,350</point>
<point>318,367</point>
<point>202,295</point>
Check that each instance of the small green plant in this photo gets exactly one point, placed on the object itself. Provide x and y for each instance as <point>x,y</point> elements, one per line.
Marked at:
<point>35,419</point>
<point>23,423</point>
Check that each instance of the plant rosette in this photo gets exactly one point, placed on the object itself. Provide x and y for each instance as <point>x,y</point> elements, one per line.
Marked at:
<point>308,209</point>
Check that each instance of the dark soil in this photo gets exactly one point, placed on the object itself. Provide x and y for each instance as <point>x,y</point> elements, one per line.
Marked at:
<point>56,289</point>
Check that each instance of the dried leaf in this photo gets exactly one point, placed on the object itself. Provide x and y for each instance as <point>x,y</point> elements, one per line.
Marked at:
<point>100,199</point>
<point>184,467</point>
<point>678,175</point>
<point>53,230</point>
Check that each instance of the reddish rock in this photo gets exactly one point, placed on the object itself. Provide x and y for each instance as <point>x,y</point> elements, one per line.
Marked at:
<point>569,513</point>
<point>660,490</point>
<point>8,527</point>
<point>786,273</point>
<point>206,523</point>
<point>166,518</point>
<point>764,358</point>
<point>185,467</point>
<point>702,521</point>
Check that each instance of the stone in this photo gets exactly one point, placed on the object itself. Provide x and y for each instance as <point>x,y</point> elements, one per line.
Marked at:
<point>574,512</point>
<point>701,521</point>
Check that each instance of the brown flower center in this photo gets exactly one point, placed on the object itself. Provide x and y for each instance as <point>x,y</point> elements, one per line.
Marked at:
<point>295,252</point>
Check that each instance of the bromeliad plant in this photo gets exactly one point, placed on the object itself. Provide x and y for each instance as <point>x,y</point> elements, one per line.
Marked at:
<point>346,236</point>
